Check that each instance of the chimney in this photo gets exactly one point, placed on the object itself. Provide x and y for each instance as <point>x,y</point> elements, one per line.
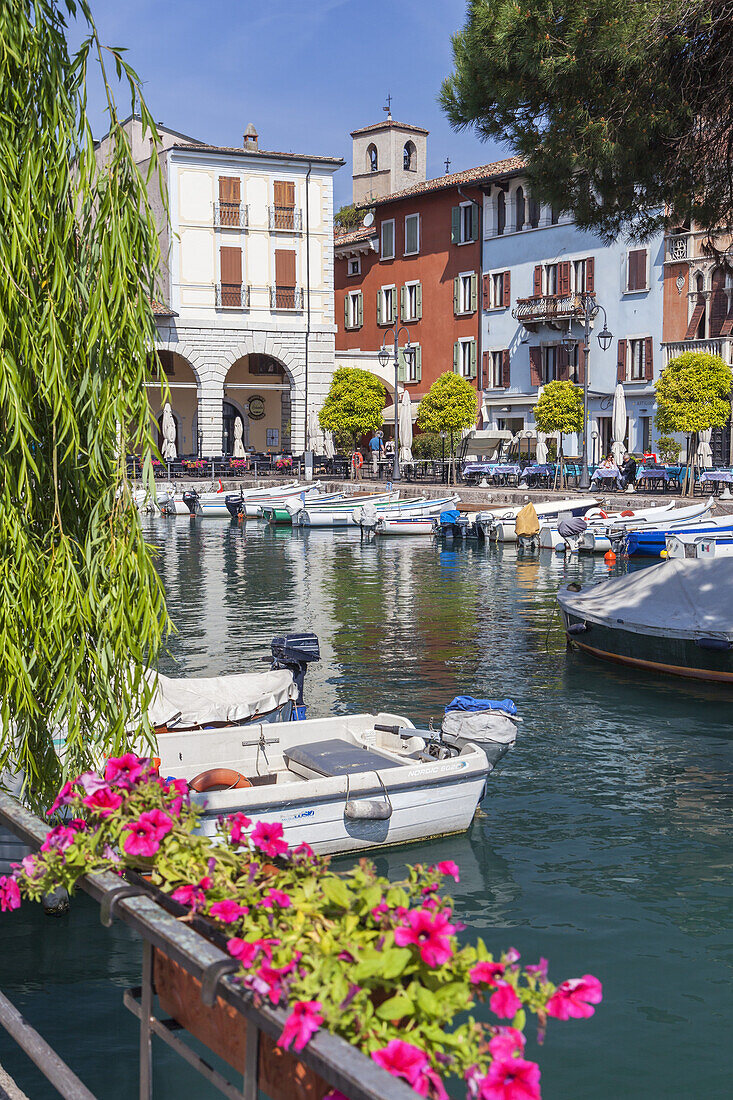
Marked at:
<point>249,140</point>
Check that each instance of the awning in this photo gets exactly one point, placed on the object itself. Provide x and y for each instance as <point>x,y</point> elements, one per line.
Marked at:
<point>388,414</point>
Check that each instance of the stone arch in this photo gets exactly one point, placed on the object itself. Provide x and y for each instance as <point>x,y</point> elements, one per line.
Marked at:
<point>519,208</point>
<point>500,213</point>
<point>409,157</point>
<point>270,380</point>
<point>184,384</point>
<point>372,158</point>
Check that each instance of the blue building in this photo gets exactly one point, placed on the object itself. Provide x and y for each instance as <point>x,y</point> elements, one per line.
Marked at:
<point>538,270</point>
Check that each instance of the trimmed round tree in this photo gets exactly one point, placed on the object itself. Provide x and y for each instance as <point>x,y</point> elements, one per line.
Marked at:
<point>448,406</point>
<point>560,409</point>
<point>354,405</point>
<point>693,394</point>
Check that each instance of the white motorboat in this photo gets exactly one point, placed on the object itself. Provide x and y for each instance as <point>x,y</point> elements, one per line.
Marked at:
<point>407,525</point>
<point>351,516</point>
<point>711,545</point>
<point>171,503</point>
<point>252,507</point>
<point>342,784</point>
<point>600,519</point>
<point>346,502</point>
<point>219,503</point>
<point>498,523</point>
<point>602,535</point>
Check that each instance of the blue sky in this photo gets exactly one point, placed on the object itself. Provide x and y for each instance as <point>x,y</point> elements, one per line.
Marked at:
<point>306,73</point>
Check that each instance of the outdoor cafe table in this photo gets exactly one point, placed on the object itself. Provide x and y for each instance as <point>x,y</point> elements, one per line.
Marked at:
<point>538,472</point>
<point>503,472</point>
<point>717,477</point>
<point>655,475</point>
<point>612,474</point>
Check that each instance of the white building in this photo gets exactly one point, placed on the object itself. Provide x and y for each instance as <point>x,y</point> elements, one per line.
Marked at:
<point>246,312</point>
<point>537,271</point>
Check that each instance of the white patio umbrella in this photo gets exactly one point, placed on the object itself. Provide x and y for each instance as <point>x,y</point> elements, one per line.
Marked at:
<point>168,430</point>
<point>541,451</point>
<point>328,445</point>
<point>315,435</point>
<point>405,428</point>
<point>239,451</point>
<point>618,424</point>
<point>704,450</point>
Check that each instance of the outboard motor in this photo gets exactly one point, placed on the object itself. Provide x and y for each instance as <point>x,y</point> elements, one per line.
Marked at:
<point>233,502</point>
<point>453,524</point>
<point>484,722</point>
<point>295,652</point>
<point>191,499</point>
<point>572,531</point>
<point>366,516</point>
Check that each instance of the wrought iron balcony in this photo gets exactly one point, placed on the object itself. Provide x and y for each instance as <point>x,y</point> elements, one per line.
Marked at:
<point>548,308</point>
<point>286,219</point>
<point>286,297</point>
<point>232,296</point>
<point>231,215</point>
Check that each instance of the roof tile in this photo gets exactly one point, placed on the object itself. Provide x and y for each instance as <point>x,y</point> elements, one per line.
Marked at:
<point>482,174</point>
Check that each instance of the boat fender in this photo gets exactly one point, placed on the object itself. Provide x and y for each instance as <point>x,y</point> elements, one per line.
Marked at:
<point>719,645</point>
<point>218,779</point>
<point>578,628</point>
<point>364,809</point>
<point>627,512</point>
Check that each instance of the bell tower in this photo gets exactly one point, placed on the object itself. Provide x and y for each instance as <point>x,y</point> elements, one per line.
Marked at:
<point>387,156</point>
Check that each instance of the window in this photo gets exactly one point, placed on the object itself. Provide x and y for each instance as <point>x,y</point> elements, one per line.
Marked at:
<point>550,363</point>
<point>284,206</point>
<point>574,357</point>
<point>579,276</point>
<point>354,266</point>
<point>387,251</point>
<point>519,209</point>
<point>534,213</point>
<point>464,357</point>
<point>229,200</point>
<point>554,215</point>
<point>372,159</point>
<point>636,360</point>
<point>411,302</point>
<point>497,292</point>
<point>497,369</point>
<point>636,277</point>
<point>354,309</point>
<point>464,223</point>
<point>551,280</point>
<point>412,234</point>
<point>285,279</point>
<point>410,364</point>
<point>385,305</point>
<point>230,264</point>
<point>500,214</point>
<point>465,292</point>
<point>409,157</point>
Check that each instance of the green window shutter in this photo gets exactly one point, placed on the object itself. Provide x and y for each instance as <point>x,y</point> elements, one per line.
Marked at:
<point>403,296</point>
<point>379,307</point>
<point>456,294</point>
<point>457,357</point>
<point>472,369</point>
<point>401,366</point>
<point>346,311</point>
<point>392,306</point>
<point>474,292</point>
<point>418,301</point>
<point>360,313</point>
<point>474,222</point>
<point>418,363</point>
<point>455,225</point>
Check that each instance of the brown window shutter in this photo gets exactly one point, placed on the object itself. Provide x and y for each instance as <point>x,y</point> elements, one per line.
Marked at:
<point>506,379</point>
<point>538,281</point>
<point>621,362</point>
<point>506,286</point>
<point>284,193</point>
<point>590,275</point>
<point>648,359</point>
<point>581,364</point>
<point>563,364</point>
<point>231,266</point>
<point>564,278</point>
<point>695,319</point>
<point>637,269</point>
<point>535,366</point>
<point>727,328</point>
<point>229,189</point>
<point>285,267</point>
<point>484,292</point>
<point>486,369</point>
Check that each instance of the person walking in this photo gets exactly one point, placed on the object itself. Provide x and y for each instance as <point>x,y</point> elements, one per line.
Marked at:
<point>376,446</point>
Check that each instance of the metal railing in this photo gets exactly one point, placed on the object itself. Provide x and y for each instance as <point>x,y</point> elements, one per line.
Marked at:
<point>286,218</point>
<point>231,215</point>
<point>551,307</point>
<point>722,346</point>
<point>339,1064</point>
<point>286,297</point>
<point>232,296</point>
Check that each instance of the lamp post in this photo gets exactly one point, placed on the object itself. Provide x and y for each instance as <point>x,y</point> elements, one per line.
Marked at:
<point>591,309</point>
<point>383,360</point>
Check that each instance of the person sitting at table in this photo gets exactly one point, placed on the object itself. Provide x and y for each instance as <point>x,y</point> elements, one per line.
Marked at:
<point>628,473</point>
<point>376,446</point>
<point>608,463</point>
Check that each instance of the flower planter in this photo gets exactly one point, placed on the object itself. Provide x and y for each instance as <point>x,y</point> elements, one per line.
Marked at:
<point>224,1030</point>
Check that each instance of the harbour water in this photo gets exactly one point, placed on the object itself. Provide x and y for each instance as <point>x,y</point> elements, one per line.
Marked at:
<point>604,843</point>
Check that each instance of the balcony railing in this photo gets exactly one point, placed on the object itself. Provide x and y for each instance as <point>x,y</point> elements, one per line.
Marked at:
<point>286,297</point>
<point>550,307</point>
<point>676,247</point>
<point>232,296</point>
<point>286,218</point>
<point>722,346</point>
<point>231,215</point>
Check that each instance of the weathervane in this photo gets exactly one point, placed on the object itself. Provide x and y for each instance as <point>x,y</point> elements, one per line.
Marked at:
<point>447,165</point>
<point>388,109</point>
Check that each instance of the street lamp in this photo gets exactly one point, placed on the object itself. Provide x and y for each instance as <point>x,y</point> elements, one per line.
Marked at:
<point>383,358</point>
<point>591,309</point>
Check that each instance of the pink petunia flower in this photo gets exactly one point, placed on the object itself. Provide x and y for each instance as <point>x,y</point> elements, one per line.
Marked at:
<point>192,894</point>
<point>228,910</point>
<point>511,1079</point>
<point>124,771</point>
<point>301,1024</point>
<point>505,1002</point>
<point>270,980</point>
<point>448,867</point>
<point>142,839</point>
<point>402,1060</point>
<point>238,823</point>
<point>507,1042</point>
<point>539,970</point>
<point>430,932</point>
<point>91,782</point>
<point>305,851</point>
<point>511,956</point>
<point>160,822</point>
<point>248,950</point>
<point>275,897</point>
<point>29,865</point>
<point>60,838</point>
<point>575,998</point>
<point>103,801</point>
<point>380,910</point>
<point>63,798</point>
<point>269,838</point>
<point>9,894</point>
<point>486,973</point>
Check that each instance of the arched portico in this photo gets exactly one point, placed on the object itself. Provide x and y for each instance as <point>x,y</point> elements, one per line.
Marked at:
<point>183,392</point>
<point>260,386</point>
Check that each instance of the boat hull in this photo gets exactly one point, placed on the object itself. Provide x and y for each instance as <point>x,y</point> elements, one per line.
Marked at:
<point>650,544</point>
<point>419,526</point>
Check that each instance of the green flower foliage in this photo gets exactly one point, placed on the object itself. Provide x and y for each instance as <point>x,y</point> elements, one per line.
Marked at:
<point>82,607</point>
<point>354,405</point>
<point>619,106</point>
<point>693,393</point>
<point>559,409</point>
<point>448,406</point>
